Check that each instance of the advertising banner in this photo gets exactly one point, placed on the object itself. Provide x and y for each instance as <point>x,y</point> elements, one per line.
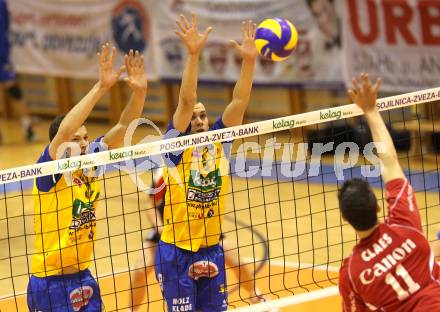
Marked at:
<point>61,38</point>
<point>396,40</point>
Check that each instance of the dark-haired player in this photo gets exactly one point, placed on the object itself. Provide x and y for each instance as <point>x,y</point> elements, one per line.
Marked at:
<point>189,259</point>
<point>392,267</point>
<point>155,204</point>
<point>65,204</point>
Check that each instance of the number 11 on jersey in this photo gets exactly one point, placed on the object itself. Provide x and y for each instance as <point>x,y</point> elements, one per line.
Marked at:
<point>393,282</point>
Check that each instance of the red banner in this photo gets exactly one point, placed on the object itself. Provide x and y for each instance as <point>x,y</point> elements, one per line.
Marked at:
<point>398,40</point>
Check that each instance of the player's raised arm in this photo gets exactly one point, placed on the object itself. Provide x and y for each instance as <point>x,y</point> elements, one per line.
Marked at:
<point>137,81</point>
<point>76,117</point>
<point>364,94</point>
<point>194,42</point>
<point>234,112</point>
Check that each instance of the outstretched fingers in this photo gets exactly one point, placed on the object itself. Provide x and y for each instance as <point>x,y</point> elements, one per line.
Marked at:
<point>377,85</point>
<point>254,30</point>
<point>182,28</point>
<point>352,94</point>
<point>234,44</point>
<point>206,33</point>
<point>137,60</point>
<point>250,29</point>
<point>355,84</point>
<point>142,63</point>
<point>104,53</point>
<point>366,83</point>
<point>184,22</point>
<point>112,55</point>
<point>194,20</point>
<point>244,30</point>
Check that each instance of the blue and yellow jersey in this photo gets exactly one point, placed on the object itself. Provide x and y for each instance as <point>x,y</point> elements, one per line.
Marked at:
<point>197,181</point>
<point>64,221</point>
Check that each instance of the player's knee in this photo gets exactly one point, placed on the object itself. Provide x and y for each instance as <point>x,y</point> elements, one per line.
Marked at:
<point>15,92</point>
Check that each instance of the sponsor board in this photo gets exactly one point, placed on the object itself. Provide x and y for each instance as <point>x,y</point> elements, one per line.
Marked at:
<point>26,173</point>
<point>209,138</point>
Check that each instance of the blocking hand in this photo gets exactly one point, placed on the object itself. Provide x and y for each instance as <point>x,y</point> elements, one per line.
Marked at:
<point>363,93</point>
<point>136,76</point>
<point>107,75</point>
<point>247,48</point>
<point>190,36</point>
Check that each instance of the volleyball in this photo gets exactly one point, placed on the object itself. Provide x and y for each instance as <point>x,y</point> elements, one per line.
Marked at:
<point>275,39</point>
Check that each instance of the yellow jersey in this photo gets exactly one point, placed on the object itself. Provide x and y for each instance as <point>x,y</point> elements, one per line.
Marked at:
<point>64,222</point>
<point>197,183</point>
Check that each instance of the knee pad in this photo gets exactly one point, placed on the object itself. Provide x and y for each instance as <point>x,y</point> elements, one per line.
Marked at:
<point>15,92</point>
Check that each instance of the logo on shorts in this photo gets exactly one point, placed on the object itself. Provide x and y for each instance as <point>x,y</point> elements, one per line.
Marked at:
<point>222,289</point>
<point>160,279</point>
<point>80,297</point>
<point>203,269</point>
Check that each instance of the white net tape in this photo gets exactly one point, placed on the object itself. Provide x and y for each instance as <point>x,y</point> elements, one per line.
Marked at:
<point>170,145</point>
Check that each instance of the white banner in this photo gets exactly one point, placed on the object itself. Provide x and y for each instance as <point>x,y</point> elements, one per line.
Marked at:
<point>397,40</point>
<point>316,59</point>
<point>61,38</point>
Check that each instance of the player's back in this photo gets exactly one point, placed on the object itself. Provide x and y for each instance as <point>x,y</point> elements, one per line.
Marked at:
<point>394,269</point>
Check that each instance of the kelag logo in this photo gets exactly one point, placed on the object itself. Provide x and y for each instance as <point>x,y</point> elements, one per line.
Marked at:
<point>69,164</point>
<point>124,154</point>
<point>130,26</point>
<point>330,114</point>
<point>283,124</point>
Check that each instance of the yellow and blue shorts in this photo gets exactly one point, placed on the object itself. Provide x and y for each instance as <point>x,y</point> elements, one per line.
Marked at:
<point>192,281</point>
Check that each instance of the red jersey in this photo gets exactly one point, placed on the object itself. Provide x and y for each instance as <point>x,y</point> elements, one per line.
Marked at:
<point>393,269</point>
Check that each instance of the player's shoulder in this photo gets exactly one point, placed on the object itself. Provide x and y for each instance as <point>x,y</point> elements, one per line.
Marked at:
<point>396,186</point>
<point>344,273</point>
<point>345,264</point>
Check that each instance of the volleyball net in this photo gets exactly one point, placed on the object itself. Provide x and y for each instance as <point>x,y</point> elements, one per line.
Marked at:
<point>283,236</point>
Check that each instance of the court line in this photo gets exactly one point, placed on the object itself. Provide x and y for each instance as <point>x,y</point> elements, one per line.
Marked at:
<point>291,300</point>
<point>293,265</point>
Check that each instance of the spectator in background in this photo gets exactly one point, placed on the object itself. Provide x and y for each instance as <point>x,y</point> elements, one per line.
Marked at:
<point>8,77</point>
<point>327,19</point>
<point>326,41</point>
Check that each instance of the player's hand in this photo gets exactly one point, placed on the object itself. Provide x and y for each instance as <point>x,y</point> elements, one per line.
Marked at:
<point>107,75</point>
<point>363,93</point>
<point>247,48</point>
<point>136,76</point>
<point>190,36</point>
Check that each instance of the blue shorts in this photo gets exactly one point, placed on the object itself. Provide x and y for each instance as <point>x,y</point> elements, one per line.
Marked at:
<point>192,281</point>
<point>60,293</point>
<point>7,72</point>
